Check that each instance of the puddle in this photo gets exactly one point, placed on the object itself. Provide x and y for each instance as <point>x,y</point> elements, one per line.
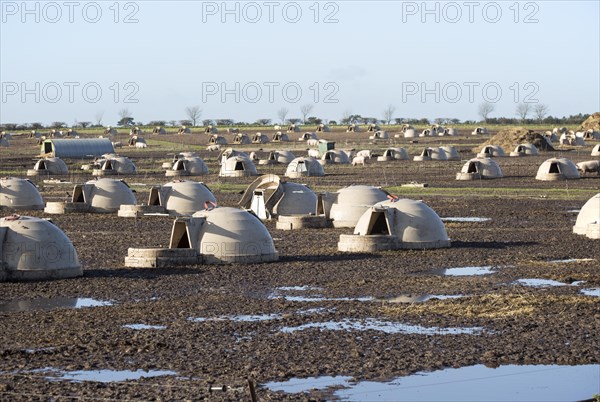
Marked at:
<point>318,310</point>
<point>383,326</point>
<point>418,298</point>
<point>465,219</point>
<point>298,385</point>
<point>574,211</point>
<point>107,375</point>
<point>240,318</point>
<point>253,318</point>
<point>465,271</point>
<point>539,283</point>
<point>595,292</point>
<point>568,260</point>
<point>143,326</point>
<point>51,304</point>
<point>297,288</point>
<point>279,293</point>
<point>40,350</point>
<point>320,298</point>
<point>480,383</point>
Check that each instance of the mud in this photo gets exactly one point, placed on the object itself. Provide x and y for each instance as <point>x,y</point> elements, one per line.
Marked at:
<point>151,325</point>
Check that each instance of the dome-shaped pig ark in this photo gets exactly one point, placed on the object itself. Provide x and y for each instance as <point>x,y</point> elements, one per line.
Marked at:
<point>32,248</point>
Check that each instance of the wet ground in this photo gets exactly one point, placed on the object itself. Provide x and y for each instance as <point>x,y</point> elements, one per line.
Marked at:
<point>516,289</point>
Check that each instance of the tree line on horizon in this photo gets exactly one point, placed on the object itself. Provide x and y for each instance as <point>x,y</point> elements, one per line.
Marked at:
<point>194,113</point>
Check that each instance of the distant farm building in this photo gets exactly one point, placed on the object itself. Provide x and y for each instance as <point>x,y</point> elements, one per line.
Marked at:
<point>76,147</point>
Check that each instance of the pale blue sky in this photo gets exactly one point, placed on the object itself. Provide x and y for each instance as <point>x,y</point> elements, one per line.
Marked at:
<point>181,53</point>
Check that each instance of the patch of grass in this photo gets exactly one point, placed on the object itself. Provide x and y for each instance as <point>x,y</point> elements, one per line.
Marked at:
<point>491,306</point>
<point>226,187</point>
<point>550,193</point>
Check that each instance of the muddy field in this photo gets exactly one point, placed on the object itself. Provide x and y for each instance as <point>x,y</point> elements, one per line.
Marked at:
<point>317,312</point>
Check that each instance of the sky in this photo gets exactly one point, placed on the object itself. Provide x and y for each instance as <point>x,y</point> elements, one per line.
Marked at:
<point>85,61</point>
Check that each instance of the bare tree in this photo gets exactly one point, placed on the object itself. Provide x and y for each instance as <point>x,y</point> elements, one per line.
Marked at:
<point>193,113</point>
<point>98,117</point>
<point>346,117</point>
<point>541,111</point>
<point>282,113</point>
<point>523,110</point>
<point>485,109</point>
<point>124,113</point>
<point>388,113</point>
<point>305,109</point>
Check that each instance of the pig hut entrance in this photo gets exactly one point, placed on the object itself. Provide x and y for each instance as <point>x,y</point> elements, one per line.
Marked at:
<point>378,224</point>
<point>179,165</point>
<point>78,195</point>
<point>180,237</point>
<point>154,198</point>
<point>239,165</point>
<point>301,167</point>
<point>554,168</point>
<point>472,167</point>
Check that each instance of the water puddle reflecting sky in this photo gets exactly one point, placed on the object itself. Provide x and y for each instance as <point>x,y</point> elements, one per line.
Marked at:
<point>468,384</point>
<point>465,271</point>
<point>290,293</point>
<point>569,260</point>
<point>465,219</point>
<point>595,292</point>
<point>143,326</point>
<point>419,298</point>
<point>480,383</point>
<point>239,318</point>
<point>387,327</point>
<point>107,375</point>
<point>51,304</point>
<point>539,283</point>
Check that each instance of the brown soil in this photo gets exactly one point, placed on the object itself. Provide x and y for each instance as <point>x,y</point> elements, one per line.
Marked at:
<point>530,226</point>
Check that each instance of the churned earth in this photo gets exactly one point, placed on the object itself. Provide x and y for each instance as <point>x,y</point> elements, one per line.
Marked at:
<point>527,293</point>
